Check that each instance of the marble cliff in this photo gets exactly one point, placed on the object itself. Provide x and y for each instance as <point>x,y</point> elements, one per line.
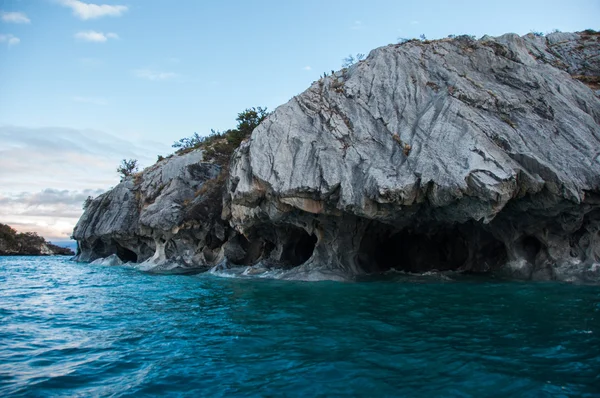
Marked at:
<point>455,154</point>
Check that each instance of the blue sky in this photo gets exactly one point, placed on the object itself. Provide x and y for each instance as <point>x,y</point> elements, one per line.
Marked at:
<point>131,77</point>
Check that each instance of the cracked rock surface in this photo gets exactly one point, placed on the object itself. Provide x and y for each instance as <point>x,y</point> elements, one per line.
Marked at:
<point>154,216</point>
<point>448,155</point>
<point>452,154</point>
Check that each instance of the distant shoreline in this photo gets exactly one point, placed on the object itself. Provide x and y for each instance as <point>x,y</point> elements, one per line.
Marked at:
<point>13,243</point>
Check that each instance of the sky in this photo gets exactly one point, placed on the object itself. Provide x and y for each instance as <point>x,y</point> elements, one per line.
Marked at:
<point>84,84</point>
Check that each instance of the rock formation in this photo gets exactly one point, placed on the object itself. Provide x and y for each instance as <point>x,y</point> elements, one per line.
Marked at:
<point>455,154</point>
<point>158,214</point>
<point>13,243</point>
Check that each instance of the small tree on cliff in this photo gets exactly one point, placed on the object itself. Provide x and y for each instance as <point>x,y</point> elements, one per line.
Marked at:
<point>219,145</point>
<point>127,168</point>
<point>351,60</point>
<point>250,119</point>
<point>87,202</point>
<point>189,142</point>
<point>247,122</point>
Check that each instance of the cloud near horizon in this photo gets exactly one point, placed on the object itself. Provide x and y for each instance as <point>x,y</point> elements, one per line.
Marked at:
<point>87,11</point>
<point>48,172</point>
<point>9,39</point>
<point>95,37</point>
<point>14,17</point>
<point>50,212</point>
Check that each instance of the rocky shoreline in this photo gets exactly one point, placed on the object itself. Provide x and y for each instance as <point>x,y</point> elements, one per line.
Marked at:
<point>13,243</point>
<point>457,154</point>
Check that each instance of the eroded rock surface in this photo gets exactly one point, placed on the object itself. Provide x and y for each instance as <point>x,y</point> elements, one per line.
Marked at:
<point>455,154</point>
<point>155,217</point>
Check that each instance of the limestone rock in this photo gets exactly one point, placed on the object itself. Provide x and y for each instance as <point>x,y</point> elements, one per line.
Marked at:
<point>448,155</point>
<point>147,215</point>
<point>451,154</point>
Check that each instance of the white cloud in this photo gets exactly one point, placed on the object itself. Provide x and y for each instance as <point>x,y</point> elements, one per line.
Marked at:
<point>49,212</point>
<point>46,173</point>
<point>95,37</point>
<point>307,68</point>
<point>54,229</point>
<point>154,75</point>
<point>48,197</point>
<point>414,22</point>
<point>90,100</point>
<point>357,25</point>
<point>91,11</point>
<point>14,17</point>
<point>9,39</point>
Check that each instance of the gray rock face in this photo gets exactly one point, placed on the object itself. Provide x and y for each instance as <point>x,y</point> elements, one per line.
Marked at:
<point>456,154</point>
<point>147,216</point>
<point>452,154</point>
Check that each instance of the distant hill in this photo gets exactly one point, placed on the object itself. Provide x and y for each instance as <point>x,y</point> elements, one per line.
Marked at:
<point>67,243</point>
<point>13,243</point>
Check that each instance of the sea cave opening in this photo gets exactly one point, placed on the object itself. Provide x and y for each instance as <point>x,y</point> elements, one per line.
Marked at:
<point>125,254</point>
<point>440,248</point>
<point>529,247</point>
<point>282,245</point>
<point>99,249</point>
<point>298,247</point>
<point>240,250</point>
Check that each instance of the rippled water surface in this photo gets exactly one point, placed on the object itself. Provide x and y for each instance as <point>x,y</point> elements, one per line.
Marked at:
<point>69,329</point>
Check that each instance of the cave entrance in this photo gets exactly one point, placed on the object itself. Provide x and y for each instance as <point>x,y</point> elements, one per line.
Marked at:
<point>413,252</point>
<point>99,248</point>
<point>529,247</point>
<point>298,246</point>
<point>241,251</point>
<point>444,248</point>
<point>125,254</point>
<point>282,246</point>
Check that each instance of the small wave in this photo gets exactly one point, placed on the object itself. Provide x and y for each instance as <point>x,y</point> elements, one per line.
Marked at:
<point>260,271</point>
<point>165,267</point>
<point>225,273</point>
<point>255,271</point>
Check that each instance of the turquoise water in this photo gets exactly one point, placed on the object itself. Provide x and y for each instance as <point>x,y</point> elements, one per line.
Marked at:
<point>69,329</point>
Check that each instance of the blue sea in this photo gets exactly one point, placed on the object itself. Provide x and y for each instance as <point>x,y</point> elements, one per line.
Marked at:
<point>69,329</point>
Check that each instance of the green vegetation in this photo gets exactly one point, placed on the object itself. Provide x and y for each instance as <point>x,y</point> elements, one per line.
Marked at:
<point>127,167</point>
<point>219,146</point>
<point>7,233</point>
<point>27,243</point>
<point>351,60</point>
